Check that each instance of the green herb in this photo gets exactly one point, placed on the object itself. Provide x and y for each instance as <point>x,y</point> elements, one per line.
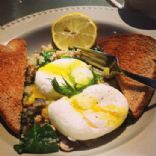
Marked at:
<point>39,139</point>
<point>46,55</point>
<point>65,89</point>
<point>68,90</point>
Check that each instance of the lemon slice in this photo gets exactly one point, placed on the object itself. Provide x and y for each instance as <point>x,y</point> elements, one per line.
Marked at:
<point>74,29</point>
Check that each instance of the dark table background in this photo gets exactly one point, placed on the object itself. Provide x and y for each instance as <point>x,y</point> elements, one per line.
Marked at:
<point>13,9</point>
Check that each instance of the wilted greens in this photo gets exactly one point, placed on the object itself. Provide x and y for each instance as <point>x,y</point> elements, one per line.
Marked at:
<point>39,139</point>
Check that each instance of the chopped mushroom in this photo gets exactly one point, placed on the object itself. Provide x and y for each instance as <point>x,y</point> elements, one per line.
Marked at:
<point>39,102</point>
<point>66,145</point>
<point>38,119</point>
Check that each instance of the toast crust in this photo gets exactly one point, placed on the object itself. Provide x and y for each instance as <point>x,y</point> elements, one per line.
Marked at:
<point>136,54</point>
<point>12,71</point>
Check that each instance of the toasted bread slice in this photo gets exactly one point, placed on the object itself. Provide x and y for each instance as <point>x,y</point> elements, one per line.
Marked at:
<point>137,54</point>
<point>12,71</point>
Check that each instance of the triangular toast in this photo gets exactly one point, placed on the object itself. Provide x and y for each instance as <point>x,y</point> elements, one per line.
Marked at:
<point>137,54</point>
<point>12,75</point>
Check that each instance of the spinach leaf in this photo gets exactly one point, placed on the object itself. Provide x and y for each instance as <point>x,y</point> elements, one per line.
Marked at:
<point>39,139</point>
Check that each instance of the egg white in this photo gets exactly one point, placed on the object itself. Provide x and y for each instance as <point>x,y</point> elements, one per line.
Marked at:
<point>105,111</point>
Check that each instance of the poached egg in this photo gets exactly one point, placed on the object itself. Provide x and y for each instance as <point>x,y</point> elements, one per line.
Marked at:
<point>74,71</point>
<point>97,110</point>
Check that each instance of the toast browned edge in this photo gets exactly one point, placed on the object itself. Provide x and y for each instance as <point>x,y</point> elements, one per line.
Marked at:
<point>136,54</point>
<point>12,76</point>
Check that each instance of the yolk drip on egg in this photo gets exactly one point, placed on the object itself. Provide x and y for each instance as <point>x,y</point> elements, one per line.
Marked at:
<point>83,102</point>
<point>65,70</point>
<point>112,114</point>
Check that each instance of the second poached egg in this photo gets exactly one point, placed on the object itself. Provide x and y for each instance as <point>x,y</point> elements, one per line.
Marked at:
<point>98,110</point>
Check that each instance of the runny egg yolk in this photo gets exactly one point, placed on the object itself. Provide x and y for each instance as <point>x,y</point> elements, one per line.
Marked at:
<point>111,113</point>
<point>63,69</point>
<point>83,102</point>
<point>34,93</point>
